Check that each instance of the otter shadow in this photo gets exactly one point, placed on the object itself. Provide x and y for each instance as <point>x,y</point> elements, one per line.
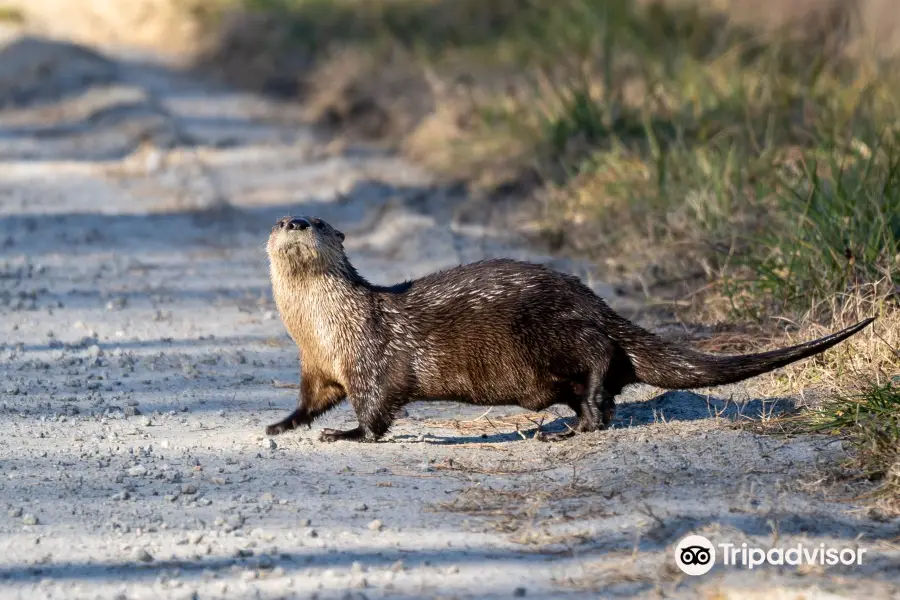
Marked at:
<point>669,407</point>
<point>679,405</point>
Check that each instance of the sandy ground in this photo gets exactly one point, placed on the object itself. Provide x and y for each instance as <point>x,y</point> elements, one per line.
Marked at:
<point>140,351</point>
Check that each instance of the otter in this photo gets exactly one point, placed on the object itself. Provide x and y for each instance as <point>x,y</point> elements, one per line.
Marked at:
<point>492,332</point>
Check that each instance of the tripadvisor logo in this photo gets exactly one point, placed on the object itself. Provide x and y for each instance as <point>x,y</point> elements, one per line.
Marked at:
<point>696,555</point>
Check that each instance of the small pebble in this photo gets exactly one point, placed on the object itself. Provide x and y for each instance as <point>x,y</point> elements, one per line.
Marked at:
<point>398,566</point>
<point>188,488</point>
<point>30,519</point>
<point>269,444</point>
<point>137,471</point>
<point>360,507</point>
<point>15,513</point>
<point>519,592</point>
<point>116,304</point>
<point>376,525</point>
<point>234,522</point>
<point>141,555</point>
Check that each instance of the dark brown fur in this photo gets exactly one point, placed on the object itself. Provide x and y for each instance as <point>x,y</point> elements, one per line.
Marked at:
<point>494,332</point>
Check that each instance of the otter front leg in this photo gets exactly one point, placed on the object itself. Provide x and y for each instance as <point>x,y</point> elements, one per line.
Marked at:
<point>315,399</point>
<point>333,435</point>
<point>294,420</point>
<point>375,415</point>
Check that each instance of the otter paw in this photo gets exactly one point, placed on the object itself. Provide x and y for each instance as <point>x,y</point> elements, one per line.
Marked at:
<point>334,435</point>
<point>275,429</point>
<point>329,435</point>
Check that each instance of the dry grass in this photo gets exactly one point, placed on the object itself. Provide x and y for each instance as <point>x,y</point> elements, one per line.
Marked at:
<point>534,513</point>
<point>869,421</point>
<point>870,358</point>
<point>486,424</point>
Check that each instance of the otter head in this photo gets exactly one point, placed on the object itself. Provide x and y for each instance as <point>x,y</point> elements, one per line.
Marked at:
<point>305,244</point>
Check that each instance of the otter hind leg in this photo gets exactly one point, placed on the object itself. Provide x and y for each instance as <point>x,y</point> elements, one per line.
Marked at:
<point>375,413</point>
<point>607,408</point>
<point>596,414</point>
<point>597,404</point>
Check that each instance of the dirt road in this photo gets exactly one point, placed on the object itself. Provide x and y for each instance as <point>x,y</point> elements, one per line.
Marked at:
<point>139,345</point>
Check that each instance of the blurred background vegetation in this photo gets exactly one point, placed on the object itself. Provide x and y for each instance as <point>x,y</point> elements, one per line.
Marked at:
<point>737,161</point>
<point>681,143</point>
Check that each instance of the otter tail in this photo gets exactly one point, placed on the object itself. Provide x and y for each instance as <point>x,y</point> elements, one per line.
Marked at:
<point>666,366</point>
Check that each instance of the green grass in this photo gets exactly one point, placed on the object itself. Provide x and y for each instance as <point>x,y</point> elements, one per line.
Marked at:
<point>835,228</point>
<point>871,423</point>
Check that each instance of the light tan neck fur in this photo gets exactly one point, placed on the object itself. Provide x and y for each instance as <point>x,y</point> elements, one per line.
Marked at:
<point>323,313</point>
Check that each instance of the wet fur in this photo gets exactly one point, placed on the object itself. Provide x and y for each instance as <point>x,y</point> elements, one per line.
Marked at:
<point>493,332</point>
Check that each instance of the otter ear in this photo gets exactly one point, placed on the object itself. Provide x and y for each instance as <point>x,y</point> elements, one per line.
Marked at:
<point>339,234</point>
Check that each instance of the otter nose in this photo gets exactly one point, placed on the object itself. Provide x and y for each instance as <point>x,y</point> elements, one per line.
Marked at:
<point>297,223</point>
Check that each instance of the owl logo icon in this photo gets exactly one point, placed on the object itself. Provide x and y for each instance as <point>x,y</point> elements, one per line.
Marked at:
<point>695,555</point>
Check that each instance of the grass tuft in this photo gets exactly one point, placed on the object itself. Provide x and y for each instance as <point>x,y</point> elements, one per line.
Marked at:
<point>871,423</point>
